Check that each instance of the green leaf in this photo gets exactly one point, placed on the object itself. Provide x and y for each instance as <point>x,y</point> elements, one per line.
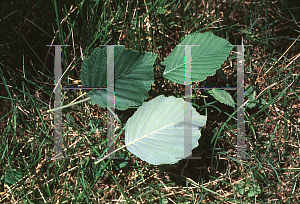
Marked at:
<point>254,191</point>
<point>155,132</point>
<point>251,190</point>
<point>240,187</point>
<point>133,76</point>
<point>121,163</point>
<point>206,59</point>
<point>250,93</point>
<point>222,96</point>
<point>12,176</point>
<point>221,74</point>
<point>161,10</point>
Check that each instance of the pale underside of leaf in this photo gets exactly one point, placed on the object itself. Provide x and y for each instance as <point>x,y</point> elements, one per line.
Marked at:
<point>155,133</point>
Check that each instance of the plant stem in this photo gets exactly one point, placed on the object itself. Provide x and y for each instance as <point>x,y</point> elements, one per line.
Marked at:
<point>70,104</point>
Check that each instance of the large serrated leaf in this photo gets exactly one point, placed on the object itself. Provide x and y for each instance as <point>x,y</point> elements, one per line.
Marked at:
<point>133,76</point>
<point>155,132</point>
<point>206,59</point>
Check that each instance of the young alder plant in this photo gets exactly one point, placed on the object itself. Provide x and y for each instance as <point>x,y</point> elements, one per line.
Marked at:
<point>156,132</point>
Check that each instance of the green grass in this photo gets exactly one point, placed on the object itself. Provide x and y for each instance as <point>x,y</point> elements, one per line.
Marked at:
<point>27,68</point>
